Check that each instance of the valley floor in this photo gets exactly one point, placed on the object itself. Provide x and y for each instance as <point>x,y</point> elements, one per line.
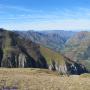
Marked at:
<point>39,79</point>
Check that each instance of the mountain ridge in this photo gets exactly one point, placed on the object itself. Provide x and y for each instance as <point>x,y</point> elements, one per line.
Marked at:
<point>77,47</point>
<point>54,40</point>
<point>17,51</point>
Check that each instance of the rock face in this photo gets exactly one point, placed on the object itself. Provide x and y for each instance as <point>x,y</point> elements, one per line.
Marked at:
<point>60,68</point>
<point>70,67</point>
<point>19,52</point>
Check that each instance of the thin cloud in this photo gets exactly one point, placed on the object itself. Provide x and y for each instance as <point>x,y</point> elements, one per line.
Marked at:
<point>78,18</point>
<point>40,14</point>
<point>19,8</point>
<point>48,25</point>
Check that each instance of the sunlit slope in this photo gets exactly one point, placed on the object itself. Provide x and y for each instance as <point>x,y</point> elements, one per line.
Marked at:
<point>52,55</point>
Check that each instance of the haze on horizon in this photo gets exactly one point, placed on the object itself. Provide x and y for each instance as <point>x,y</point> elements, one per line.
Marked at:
<point>45,14</point>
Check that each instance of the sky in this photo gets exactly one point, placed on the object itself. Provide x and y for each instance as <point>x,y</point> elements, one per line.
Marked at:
<point>45,14</point>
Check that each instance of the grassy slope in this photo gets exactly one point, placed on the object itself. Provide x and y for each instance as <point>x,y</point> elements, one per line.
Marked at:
<point>51,55</point>
<point>7,42</point>
<point>41,79</point>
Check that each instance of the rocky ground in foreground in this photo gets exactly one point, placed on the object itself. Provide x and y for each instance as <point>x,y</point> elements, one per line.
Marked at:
<point>41,79</point>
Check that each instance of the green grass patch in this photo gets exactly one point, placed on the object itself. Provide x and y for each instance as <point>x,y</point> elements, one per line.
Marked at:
<point>86,75</point>
<point>51,55</point>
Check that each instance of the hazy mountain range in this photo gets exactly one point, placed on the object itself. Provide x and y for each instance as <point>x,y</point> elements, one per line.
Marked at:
<point>19,50</point>
<point>75,45</point>
<point>78,48</point>
<point>54,39</point>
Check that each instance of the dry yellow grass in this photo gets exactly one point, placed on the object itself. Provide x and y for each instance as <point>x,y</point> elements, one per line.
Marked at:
<point>40,79</point>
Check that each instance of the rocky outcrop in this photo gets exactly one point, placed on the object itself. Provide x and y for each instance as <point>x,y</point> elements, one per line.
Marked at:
<point>62,69</point>
<point>70,67</point>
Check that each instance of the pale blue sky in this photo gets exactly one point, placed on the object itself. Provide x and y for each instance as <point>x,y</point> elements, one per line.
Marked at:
<point>45,14</point>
